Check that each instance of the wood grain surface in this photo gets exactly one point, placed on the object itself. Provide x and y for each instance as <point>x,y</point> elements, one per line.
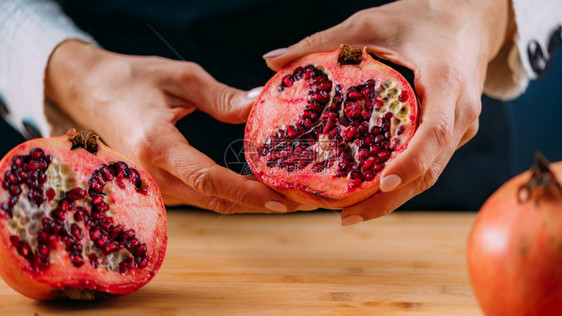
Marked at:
<point>407,263</point>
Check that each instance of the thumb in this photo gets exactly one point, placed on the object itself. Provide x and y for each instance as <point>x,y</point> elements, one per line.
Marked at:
<point>222,102</point>
<point>228,104</point>
<point>327,40</point>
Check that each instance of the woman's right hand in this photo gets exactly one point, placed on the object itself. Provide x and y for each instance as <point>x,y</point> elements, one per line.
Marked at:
<point>133,103</point>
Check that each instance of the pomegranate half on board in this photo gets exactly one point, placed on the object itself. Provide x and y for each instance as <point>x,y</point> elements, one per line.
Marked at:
<point>326,125</point>
<point>78,220</point>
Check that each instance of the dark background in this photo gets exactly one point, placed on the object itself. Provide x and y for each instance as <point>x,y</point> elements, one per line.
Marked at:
<point>216,43</point>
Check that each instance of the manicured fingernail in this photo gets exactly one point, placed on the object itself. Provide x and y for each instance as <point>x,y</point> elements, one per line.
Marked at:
<point>275,53</point>
<point>390,182</point>
<point>351,220</point>
<point>304,207</point>
<point>253,94</point>
<point>276,206</point>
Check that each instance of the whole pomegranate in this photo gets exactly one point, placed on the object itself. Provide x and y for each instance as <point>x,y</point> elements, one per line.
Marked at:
<point>325,126</point>
<point>515,246</point>
<point>77,220</point>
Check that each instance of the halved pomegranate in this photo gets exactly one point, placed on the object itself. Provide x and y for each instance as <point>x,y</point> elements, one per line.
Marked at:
<point>78,220</point>
<point>325,126</point>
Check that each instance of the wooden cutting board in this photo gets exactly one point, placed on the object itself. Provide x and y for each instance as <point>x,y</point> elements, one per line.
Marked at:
<point>407,263</point>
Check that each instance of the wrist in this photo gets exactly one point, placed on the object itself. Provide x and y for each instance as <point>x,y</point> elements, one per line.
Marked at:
<point>67,70</point>
<point>498,24</point>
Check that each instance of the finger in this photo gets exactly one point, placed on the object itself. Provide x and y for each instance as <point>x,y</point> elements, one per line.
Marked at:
<point>175,193</point>
<point>199,89</point>
<point>327,40</point>
<point>439,92</point>
<point>169,150</point>
<point>383,203</point>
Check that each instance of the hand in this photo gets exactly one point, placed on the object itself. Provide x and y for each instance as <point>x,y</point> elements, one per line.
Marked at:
<point>448,45</point>
<point>133,103</point>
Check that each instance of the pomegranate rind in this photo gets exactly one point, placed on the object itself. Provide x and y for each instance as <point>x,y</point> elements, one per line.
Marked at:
<point>273,110</point>
<point>143,213</point>
<point>514,251</point>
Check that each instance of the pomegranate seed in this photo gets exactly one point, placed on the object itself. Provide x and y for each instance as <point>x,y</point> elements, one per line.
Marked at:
<point>43,237</point>
<point>131,244</point>
<point>102,207</point>
<point>355,95</point>
<point>95,186</point>
<point>143,190</point>
<point>58,215</point>
<point>65,206</point>
<point>298,73</point>
<point>106,173</point>
<point>95,233</point>
<point>109,248</point>
<point>115,232</point>
<point>403,96</point>
<point>363,129</point>
<point>17,162</point>
<point>315,106</point>
<point>383,155</point>
<point>98,199</point>
<point>321,98</point>
<point>43,250</point>
<point>15,240</point>
<point>13,201</point>
<point>379,139</point>
<point>36,153</point>
<point>368,164</point>
<point>326,86</point>
<point>11,178</point>
<point>368,175</point>
<point>350,133</point>
<point>140,251</point>
<point>31,166</point>
<point>50,193</point>
<point>121,169</point>
<point>93,258</point>
<point>24,249</point>
<point>142,263</point>
<point>99,178</point>
<point>400,130</point>
<point>100,242</point>
<point>77,261</point>
<point>14,190</point>
<point>288,81</point>
<point>75,231</point>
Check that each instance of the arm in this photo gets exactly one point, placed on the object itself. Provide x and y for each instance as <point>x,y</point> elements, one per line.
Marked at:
<point>31,30</point>
<point>526,55</point>
<point>132,102</point>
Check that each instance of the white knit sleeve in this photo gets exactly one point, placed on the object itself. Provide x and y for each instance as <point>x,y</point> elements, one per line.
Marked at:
<point>30,31</point>
<point>527,56</point>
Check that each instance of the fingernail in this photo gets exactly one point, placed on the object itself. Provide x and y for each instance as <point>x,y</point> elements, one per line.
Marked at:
<point>305,207</point>
<point>253,94</point>
<point>276,206</point>
<point>275,53</point>
<point>351,220</point>
<point>390,182</point>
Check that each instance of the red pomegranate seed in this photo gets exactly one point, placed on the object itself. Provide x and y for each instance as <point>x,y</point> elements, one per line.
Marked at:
<point>288,81</point>
<point>355,95</point>
<point>403,96</point>
<point>75,231</point>
<point>50,193</point>
<point>77,261</point>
